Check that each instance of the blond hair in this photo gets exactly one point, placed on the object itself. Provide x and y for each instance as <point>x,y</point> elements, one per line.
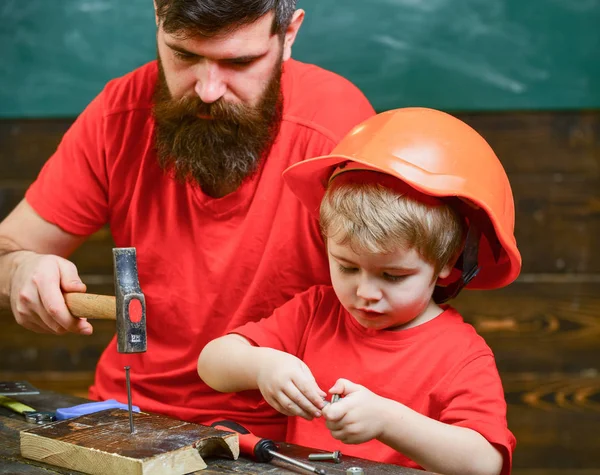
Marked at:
<point>374,218</point>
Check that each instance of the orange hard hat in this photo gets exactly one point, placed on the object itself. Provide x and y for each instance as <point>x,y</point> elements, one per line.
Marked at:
<point>438,155</point>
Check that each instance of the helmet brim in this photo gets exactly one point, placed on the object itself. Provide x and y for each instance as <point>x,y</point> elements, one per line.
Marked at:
<point>500,261</point>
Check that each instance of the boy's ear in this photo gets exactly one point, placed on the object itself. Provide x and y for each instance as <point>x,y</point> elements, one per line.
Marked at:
<point>445,272</point>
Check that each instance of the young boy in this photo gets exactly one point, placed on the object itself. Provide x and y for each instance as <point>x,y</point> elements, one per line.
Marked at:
<point>414,205</point>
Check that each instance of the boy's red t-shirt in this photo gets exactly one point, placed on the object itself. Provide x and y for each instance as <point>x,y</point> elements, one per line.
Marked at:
<point>442,369</point>
<point>205,265</point>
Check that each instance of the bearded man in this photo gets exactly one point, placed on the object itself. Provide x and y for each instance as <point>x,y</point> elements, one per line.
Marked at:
<point>182,158</point>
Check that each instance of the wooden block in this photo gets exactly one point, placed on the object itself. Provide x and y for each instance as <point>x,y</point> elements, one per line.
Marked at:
<point>101,443</point>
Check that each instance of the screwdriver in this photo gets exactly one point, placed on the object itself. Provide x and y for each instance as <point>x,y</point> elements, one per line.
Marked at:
<point>261,450</point>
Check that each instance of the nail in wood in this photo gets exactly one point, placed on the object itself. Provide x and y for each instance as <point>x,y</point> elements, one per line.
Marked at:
<point>131,428</point>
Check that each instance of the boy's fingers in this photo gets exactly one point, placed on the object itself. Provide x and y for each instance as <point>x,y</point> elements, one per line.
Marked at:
<point>296,395</point>
<point>344,387</point>
<point>334,425</point>
<point>339,434</point>
<point>333,413</point>
<point>288,407</point>
<point>307,384</point>
<point>311,392</point>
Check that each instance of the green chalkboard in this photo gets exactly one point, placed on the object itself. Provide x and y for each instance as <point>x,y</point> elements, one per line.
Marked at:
<point>450,54</point>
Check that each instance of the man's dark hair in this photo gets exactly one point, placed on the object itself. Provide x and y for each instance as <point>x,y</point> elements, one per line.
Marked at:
<point>211,17</point>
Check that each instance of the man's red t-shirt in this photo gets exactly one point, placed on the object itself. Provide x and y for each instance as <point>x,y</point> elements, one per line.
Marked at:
<point>205,265</point>
<point>442,369</point>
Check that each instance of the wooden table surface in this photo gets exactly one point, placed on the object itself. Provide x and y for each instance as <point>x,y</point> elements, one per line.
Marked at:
<point>12,462</point>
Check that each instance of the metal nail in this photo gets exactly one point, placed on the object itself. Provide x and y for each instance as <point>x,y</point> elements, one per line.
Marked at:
<point>335,398</point>
<point>131,428</point>
<point>354,471</point>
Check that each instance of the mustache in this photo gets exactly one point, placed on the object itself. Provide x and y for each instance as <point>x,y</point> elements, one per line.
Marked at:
<point>188,110</point>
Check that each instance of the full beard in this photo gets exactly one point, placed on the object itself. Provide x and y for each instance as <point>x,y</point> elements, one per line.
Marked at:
<point>218,153</point>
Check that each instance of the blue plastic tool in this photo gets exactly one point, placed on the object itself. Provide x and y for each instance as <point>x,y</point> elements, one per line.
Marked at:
<point>89,408</point>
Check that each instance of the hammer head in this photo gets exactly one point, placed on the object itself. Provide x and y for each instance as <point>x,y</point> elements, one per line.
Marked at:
<point>131,304</point>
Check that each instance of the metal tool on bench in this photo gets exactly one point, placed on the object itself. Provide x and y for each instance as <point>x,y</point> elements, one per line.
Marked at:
<point>128,308</point>
<point>261,450</point>
<point>42,417</point>
<point>15,388</point>
<point>333,456</point>
<point>30,414</point>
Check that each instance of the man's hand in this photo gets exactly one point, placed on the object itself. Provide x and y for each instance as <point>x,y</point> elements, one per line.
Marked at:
<point>36,286</point>
<point>287,384</point>
<point>32,274</point>
<point>356,417</point>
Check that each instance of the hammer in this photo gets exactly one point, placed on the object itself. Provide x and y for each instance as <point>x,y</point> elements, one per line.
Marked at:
<point>128,308</point>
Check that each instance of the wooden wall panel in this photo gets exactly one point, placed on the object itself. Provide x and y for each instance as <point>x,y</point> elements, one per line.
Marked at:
<point>555,419</point>
<point>542,143</point>
<point>558,223</point>
<point>24,351</point>
<point>25,145</point>
<point>11,193</point>
<point>538,326</point>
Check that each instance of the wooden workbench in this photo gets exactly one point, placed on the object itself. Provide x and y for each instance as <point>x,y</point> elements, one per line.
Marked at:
<point>12,462</point>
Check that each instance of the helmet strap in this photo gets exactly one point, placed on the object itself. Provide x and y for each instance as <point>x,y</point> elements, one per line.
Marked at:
<point>467,262</point>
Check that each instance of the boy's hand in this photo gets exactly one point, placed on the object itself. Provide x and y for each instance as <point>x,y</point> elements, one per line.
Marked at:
<point>287,384</point>
<point>355,418</point>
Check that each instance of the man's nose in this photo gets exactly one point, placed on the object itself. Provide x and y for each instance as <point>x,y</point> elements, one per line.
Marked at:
<point>210,85</point>
<point>368,289</point>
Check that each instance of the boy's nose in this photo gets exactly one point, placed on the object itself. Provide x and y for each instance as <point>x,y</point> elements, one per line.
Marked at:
<point>368,290</point>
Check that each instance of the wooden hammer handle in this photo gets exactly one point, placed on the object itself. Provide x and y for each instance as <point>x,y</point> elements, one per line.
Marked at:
<point>98,307</point>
